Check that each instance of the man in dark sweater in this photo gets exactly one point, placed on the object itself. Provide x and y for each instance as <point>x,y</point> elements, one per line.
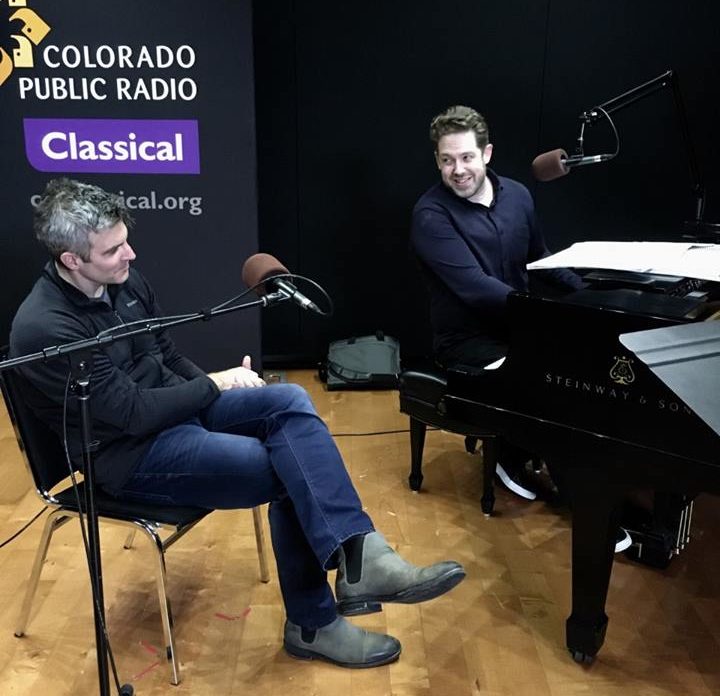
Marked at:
<point>167,432</point>
<point>474,234</point>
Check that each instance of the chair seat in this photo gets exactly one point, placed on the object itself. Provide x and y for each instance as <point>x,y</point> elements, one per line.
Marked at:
<point>114,508</point>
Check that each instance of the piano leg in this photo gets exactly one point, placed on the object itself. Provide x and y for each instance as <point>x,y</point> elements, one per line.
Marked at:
<point>595,519</point>
<point>487,502</point>
<point>417,444</point>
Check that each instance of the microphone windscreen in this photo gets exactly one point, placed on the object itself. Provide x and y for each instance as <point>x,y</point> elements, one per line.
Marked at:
<point>550,165</point>
<point>261,266</point>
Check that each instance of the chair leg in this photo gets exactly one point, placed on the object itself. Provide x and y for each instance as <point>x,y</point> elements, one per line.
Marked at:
<point>417,444</point>
<point>165,609</point>
<point>54,521</point>
<point>260,542</point>
<point>487,502</point>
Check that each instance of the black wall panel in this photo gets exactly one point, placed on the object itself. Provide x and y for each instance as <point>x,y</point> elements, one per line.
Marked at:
<point>599,53</point>
<point>367,81</point>
<point>345,94</point>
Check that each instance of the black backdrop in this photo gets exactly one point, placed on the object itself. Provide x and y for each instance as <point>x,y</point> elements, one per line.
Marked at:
<point>344,96</point>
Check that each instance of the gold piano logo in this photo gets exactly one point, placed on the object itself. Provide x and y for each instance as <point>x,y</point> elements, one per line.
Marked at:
<point>33,30</point>
<point>622,372</point>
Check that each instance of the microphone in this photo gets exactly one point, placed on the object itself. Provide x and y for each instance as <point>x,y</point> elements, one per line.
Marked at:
<point>556,163</point>
<point>261,266</point>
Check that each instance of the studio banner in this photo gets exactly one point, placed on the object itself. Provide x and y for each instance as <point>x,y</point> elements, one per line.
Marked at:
<point>153,101</point>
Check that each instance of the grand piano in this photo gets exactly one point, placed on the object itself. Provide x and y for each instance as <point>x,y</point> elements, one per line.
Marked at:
<point>572,393</point>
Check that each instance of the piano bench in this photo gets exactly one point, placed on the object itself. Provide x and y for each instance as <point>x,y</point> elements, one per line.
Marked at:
<point>422,394</point>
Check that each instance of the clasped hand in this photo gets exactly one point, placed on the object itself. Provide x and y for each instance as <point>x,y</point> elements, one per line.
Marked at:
<point>237,377</point>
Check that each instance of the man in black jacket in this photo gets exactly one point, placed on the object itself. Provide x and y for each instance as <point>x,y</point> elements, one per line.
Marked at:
<point>167,432</point>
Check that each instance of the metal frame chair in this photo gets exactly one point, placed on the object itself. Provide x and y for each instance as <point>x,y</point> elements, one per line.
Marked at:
<point>45,459</point>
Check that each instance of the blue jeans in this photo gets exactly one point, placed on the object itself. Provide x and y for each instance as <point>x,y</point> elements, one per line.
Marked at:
<point>258,445</point>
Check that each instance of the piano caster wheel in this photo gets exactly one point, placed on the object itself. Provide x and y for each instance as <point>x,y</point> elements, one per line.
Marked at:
<point>582,658</point>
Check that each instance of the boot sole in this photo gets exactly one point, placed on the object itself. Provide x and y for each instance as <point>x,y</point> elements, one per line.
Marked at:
<point>368,604</point>
<point>305,654</point>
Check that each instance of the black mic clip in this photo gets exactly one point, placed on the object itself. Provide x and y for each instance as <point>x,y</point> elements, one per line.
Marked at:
<point>591,116</point>
<point>273,298</point>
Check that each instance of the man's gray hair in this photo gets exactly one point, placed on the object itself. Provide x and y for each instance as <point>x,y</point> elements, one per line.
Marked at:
<point>70,210</point>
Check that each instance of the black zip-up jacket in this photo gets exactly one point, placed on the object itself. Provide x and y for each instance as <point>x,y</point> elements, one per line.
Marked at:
<point>139,386</point>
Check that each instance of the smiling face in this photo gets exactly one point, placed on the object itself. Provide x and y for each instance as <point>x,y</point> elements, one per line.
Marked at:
<point>463,165</point>
<point>108,262</point>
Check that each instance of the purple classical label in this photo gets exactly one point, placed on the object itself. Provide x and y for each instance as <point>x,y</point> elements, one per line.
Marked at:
<point>112,146</point>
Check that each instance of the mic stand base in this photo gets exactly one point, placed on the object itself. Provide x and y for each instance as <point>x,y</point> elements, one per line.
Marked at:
<point>81,371</point>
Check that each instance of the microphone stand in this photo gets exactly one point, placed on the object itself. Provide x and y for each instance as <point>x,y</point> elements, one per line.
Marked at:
<point>697,229</point>
<point>80,357</point>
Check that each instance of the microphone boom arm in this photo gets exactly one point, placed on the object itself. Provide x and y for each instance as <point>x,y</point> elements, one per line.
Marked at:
<point>667,79</point>
<point>147,327</point>
<point>632,95</point>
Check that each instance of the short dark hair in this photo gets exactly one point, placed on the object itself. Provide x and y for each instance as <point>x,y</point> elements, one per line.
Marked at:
<point>69,211</point>
<point>458,119</point>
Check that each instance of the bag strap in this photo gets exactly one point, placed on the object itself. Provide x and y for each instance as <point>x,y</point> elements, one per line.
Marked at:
<point>345,374</point>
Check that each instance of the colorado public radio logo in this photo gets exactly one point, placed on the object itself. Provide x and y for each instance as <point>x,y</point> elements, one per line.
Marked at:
<point>32,29</point>
<point>112,146</point>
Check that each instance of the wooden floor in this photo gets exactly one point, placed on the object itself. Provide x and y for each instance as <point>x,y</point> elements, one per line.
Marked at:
<point>501,632</point>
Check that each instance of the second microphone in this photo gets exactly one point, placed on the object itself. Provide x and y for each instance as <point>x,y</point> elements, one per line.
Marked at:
<point>260,269</point>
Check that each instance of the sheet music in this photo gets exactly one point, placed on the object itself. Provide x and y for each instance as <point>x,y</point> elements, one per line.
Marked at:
<point>668,258</point>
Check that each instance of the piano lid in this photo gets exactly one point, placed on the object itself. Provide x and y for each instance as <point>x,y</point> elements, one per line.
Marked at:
<point>686,358</point>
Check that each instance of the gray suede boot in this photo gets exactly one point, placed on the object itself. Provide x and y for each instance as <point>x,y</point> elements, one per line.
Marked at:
<point>383,576</point>
<point>342,644</point>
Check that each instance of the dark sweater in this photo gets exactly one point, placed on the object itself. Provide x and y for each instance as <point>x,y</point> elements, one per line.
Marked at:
<point>473,256</point>
<point>138,387</point>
